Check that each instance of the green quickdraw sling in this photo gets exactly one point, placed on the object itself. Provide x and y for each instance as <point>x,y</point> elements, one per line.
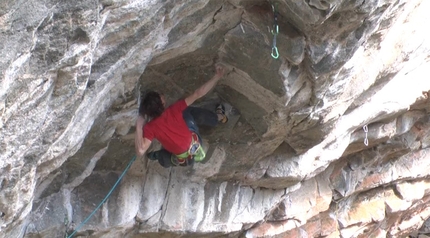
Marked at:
<point>195,151</point>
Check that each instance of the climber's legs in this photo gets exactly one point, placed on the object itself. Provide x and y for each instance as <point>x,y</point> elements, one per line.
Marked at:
<point>194,116</point>
<point>163,156</point>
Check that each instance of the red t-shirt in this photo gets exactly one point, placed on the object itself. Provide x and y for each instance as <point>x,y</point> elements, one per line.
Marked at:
<point>170,129</point>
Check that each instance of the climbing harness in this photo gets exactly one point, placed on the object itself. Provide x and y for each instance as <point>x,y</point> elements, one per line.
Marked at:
<point>275,32</point>
<point>366,130</point>
<point>195,151</point>
<point>104,200</point>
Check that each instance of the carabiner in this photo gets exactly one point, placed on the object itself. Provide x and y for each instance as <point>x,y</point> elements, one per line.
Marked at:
<point>275,53</point>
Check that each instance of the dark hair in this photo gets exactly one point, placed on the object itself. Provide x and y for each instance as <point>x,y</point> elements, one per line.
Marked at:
<point>151,105</point>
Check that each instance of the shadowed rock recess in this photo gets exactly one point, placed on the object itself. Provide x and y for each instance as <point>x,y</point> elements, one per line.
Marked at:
<point>291,161</point>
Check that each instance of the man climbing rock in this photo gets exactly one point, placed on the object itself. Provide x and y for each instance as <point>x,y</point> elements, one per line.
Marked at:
<point>176,127</point>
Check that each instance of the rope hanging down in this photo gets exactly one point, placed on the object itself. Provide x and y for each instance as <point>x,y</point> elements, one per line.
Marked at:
<point>104,200</point>
<point>275,32</point>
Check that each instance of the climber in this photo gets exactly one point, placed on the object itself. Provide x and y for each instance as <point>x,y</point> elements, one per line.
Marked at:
<point>175,127</point>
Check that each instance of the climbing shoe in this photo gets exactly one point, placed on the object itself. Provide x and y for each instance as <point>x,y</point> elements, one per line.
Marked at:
<point>220,110</point>
<point>152,155</point>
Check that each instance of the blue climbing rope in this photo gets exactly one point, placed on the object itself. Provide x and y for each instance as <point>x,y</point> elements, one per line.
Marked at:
<point>104,200</point>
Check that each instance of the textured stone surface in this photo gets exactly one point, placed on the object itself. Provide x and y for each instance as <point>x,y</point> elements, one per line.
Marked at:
<point>291,162</point>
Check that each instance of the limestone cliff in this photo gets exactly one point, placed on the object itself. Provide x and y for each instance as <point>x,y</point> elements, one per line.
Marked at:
<point>291,161</point>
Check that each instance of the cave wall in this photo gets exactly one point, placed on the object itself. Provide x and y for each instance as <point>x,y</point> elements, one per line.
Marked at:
<point>290,162</point>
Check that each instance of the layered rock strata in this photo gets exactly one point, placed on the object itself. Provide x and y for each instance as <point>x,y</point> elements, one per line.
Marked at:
<point>291,161</point>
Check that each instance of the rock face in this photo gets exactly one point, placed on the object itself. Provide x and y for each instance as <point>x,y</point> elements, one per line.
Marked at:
<point>291,161</point>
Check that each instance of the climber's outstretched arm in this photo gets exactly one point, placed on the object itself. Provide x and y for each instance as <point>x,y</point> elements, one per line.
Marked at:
<point>205,88</point>
<point>141,144</point>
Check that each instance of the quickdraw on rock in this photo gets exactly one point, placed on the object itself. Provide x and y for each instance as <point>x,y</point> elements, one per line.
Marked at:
<point>366,140</point>
<point>275,32</point>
